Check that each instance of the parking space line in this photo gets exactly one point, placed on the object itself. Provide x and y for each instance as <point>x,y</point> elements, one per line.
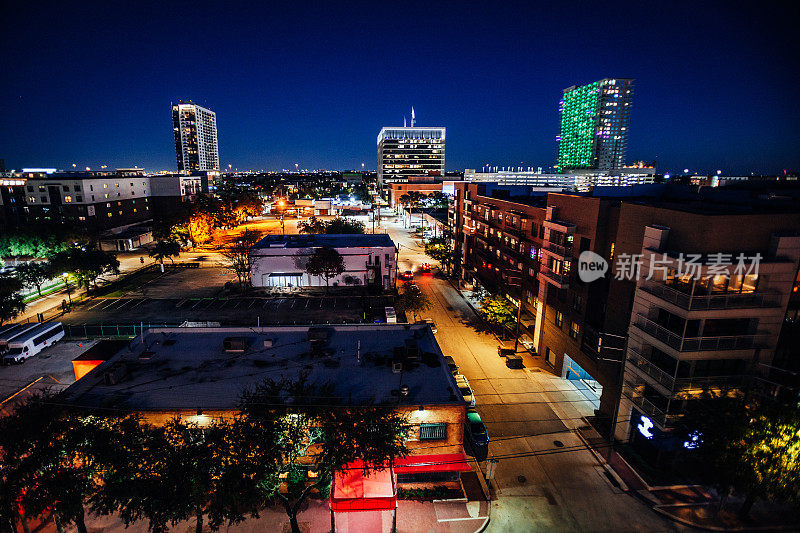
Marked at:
<point>252,303</point>
<point>198,303</point>
<point>140,302</point>
<point>112,303</point>
<point>101,302</point>
<point>212,301</point>
<point>266,303</point>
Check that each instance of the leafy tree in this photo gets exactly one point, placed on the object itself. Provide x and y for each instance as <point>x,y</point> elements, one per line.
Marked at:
<point>498,311</point>
<point>11,301</point>
<point>412,300</point>
<point>440,249</point>
<point>748,446</point>
<point>200,228</point>
<point>85,264</point>
<point>48,453</point>
<point>301,443</point>
<point>314,225</point>
<point>37,242</point>
<point>238,258</point>
<point>165,249</point>
<point>34,273</point>
<point>339,226</point>
<point>325,262</point>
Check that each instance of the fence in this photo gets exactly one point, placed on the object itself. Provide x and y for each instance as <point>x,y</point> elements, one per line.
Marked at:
<point>92,331</point>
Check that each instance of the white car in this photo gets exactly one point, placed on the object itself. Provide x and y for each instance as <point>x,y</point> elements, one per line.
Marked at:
<point>465,389</point>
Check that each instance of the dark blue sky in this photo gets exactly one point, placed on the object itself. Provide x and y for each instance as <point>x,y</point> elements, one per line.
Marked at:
<point>716,86</point>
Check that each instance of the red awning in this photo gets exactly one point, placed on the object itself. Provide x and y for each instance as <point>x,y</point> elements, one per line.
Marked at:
<point>445,462</point>
<point>355,491</point>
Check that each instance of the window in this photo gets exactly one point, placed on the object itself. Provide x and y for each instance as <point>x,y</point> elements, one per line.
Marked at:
<point>91,187</point>
<point>44,198</point>
<point>30,188</point>
<point>77,188</point>
<point>68,199</point>
<point>433,431</point>
<point>105,185</point>
<point>66,188</point>
<point>577,302</point>
<point>574,330</point>
<point>559,319</point>
<point>79,198</point>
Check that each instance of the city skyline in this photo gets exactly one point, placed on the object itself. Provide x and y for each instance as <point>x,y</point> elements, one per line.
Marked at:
<point>281,101</point>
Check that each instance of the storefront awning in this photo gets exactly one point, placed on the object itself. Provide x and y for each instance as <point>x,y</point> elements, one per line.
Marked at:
<point>445,462</point>
<point>353,490</point>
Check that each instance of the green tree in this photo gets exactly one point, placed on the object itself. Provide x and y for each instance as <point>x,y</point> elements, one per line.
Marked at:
<point>440,249</point>
<point>11,301</point>
<point>325,262</point>
<point>339,226</point>
<point>34,273</point>
<point>412,300</point>
<point>301,441</point>
<point>165,249</point>
<point>314,225</point>
<point>238,257</point>
<point>48,452</point>
<point>498,311</point>
<point>748,446</point>
<point>85,264</point>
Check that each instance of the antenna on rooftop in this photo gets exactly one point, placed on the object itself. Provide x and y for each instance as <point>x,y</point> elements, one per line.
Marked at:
<point>413,117</point>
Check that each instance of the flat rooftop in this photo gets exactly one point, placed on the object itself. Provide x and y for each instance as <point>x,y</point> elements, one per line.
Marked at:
<point>355,240</point>
<point>189,368</point>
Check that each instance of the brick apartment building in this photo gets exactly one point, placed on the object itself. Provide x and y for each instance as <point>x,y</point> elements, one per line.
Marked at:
<point>676,336</point>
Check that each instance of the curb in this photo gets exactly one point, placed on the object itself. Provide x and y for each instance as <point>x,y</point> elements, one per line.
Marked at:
<point>622,485</point>
<point>659,509</point>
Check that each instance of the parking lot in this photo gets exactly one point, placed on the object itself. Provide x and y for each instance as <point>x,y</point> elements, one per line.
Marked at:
<point>231,311</point>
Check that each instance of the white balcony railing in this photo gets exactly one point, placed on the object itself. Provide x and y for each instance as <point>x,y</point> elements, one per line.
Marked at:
<point>698,344</point>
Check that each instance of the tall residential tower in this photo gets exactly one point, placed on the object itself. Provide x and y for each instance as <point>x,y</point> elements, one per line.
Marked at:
<point>595,120</point>
<point>196,145</point>
<point>410,153</point>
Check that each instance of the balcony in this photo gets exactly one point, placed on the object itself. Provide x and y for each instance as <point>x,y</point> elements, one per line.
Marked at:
<point>698,344</point>
<point>647,408</point>
<point>710,302</point>
<point>661,377</point>
<point>562,252</point>
<point>559,280</point>
<point>560,225</point>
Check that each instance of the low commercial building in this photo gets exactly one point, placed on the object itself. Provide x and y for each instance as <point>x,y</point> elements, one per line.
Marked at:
<point>200,374</point>
<point>280,260</point>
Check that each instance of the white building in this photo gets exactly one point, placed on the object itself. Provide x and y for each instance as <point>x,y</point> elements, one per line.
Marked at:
<point>580,180</point>
<point>196,146</point>
<point>280,260</point>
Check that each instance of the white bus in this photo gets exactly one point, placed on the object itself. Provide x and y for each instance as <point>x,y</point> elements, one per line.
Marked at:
<point>33,342</point>
<point>12,332</point>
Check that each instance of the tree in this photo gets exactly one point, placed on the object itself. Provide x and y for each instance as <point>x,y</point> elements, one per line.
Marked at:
<point>165,249</point>
<point>34,273</point>
<point>11,301</point>
<point>48,454</point>
<point>744,445</point>
<point>314,225</point>
<point>238,258</point>
<point>412,300</point>
<point>440,249</point>
<point>35,242</point>
<point>85,264</point>
<point>325,262</point>
<point>293,428</point>
<point>200,228</point>
<point>498,311</point>
<point>339,226</point>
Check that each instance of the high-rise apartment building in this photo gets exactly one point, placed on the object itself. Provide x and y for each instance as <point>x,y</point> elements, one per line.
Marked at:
<point>196,146</point>
<point>410,154</point>
<point>595,120</point>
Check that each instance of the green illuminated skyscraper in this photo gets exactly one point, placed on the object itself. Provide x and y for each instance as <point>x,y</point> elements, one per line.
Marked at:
<point>595,120</point>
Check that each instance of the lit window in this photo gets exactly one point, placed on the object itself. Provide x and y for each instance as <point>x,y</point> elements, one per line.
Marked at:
<point>559,320</point>
<point>68,199</point>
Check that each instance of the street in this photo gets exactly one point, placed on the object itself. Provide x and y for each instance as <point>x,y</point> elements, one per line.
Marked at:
<point>546,479</point>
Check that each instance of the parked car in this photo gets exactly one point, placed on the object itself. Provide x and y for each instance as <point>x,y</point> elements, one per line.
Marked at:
<point>408,274</point>
<point>465,389</point>
<point>476,429</point>
<point>431,323</point>
<point>451,364</point>
<point>505,352</point>
<point>426,268</point>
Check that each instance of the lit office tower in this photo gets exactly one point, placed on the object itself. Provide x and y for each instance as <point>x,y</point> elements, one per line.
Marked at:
<point>410,153</point>
<point>595,120</point>
<point>196,145</point>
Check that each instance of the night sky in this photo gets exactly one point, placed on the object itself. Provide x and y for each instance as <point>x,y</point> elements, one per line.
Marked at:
<point>91,84</point>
